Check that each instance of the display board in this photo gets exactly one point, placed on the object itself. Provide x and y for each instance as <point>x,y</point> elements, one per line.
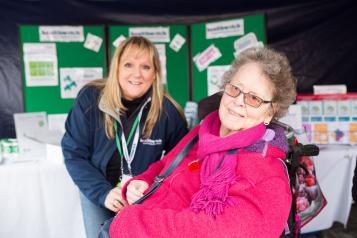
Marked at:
<point>171,42</point>
<point>57,61</point>
<point>216,44</point>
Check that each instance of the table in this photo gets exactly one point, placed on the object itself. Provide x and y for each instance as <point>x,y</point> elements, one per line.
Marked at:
<point>334,170</point>
<point>39,200</point>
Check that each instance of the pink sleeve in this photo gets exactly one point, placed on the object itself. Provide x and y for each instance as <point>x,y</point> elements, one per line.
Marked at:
<point>261,210</point>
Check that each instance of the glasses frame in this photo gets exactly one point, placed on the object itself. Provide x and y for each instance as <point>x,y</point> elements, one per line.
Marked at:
<point>244,96</point>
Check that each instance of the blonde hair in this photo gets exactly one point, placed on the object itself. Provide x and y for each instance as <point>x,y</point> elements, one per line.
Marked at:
<point>275,65</point>
<point>111,92</point>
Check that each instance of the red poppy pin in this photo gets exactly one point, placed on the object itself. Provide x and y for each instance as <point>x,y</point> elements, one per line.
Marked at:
<point>194,165</point>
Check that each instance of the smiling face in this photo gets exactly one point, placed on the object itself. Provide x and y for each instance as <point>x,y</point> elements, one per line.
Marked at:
<point>136,73</point>
<point>234,114</point>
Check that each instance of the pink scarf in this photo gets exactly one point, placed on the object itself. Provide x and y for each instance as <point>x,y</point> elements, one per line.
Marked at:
<point>213,194</point>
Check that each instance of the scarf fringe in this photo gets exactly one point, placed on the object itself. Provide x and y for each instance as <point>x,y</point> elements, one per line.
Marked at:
<point>213,194</point>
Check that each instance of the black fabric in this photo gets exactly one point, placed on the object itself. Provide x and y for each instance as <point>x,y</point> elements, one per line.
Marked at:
<point>208,105</point>
<point>160,178</point>
<point>114,169</point>
<point>317,35</point>
<point>133,108</point>
<point>354,187</point>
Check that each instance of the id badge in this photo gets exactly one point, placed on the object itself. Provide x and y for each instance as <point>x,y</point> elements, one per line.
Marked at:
<point>125,178</point>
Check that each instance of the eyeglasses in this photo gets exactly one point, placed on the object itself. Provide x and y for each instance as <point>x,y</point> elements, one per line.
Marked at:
<point>249,99</point>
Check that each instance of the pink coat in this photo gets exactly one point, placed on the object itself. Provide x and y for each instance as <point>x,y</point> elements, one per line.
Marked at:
<point>261,192</point>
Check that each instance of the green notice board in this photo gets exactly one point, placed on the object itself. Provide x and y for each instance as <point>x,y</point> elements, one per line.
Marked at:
<point>215,44</point>
<point>174,59</point>
<point>57,61</point>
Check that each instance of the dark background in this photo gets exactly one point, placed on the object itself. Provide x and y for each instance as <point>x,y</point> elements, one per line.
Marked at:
<point>319,37</point>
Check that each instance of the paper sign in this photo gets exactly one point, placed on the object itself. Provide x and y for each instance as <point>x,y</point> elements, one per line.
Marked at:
<point>245,41</point>
<point>224,29</point>
<point>190,111</point>
<point>293,117</point>
<point>61,33</point>
<point>330,89</point>
<point>320,131</point>
<point>208,56</point>
<point>28,126</point>
<point>238,51</point>
<point>353,132</point>
<point>162,55</point>
<point>343,108</point>
<point>119,40</point>
<point>56,122</point>
<point>177,42</point>
<point>154,34</point>
<point>315,108</point>
<point>214,78</point>
<point>330,107</point>
<point>40,61</point>
<point>93,42</point>
<point>338,133</point>
<point>73,79</point>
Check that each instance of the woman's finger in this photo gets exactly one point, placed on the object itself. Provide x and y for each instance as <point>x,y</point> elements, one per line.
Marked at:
<point>118,204</point>
<point>135,192</point>
<point>132,198</point>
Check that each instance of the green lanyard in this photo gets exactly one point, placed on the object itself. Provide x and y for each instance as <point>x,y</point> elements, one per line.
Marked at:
<point>133,128</point>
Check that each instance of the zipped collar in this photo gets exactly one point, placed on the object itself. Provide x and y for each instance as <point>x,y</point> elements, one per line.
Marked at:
<point>103,107</point>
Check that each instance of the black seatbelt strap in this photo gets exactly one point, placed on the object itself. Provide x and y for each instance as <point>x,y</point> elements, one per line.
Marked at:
<point>160,178</point>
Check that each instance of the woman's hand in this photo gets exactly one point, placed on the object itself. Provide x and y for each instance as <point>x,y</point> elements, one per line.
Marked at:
<point>114,200</point>
<point>135,190</point>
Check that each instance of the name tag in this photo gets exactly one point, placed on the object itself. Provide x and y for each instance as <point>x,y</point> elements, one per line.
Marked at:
<point>125,178</point>
<point>151,141</point>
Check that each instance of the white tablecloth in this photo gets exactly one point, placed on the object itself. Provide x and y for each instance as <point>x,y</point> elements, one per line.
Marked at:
<point>334,170</point>
<point>39,200</point>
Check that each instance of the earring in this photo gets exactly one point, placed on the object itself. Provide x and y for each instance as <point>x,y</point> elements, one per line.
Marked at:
<point>266,123</point>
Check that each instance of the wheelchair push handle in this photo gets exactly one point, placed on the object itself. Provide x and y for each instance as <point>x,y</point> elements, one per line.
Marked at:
<point>305,150</point>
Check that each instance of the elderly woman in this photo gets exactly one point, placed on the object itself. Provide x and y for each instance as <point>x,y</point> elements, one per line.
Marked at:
<point>232,183</point>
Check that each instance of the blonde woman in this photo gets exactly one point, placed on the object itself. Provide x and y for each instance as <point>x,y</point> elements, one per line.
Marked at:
<point>117,128</point>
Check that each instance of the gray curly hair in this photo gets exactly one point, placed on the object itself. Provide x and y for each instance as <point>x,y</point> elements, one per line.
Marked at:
<point>276,67</point>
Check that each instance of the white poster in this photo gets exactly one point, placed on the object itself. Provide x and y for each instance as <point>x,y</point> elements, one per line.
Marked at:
<point>214,78</point>
<point>247,41</point>
<point>61,33</point>
<point>240,50</point>
<point>224,29</point>
<point>155,34</point>
<point>119,40</point>
<point>28,126</point>
<point>73,79</point>
<point>208,56</point>
<point>294,117</point>
<point>162,55</point>
<point>177,42</point>
<point>93,42</point>
<point>40,61</point>
<point>56,122</point>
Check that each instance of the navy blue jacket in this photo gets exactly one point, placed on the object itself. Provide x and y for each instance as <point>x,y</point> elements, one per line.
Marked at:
<point>87,150</point>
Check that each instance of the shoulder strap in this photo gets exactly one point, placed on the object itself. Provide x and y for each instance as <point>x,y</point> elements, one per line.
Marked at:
<point>160,178</point>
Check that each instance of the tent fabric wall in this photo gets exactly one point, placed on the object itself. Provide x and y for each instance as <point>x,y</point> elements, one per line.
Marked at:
<point>317,36</point>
